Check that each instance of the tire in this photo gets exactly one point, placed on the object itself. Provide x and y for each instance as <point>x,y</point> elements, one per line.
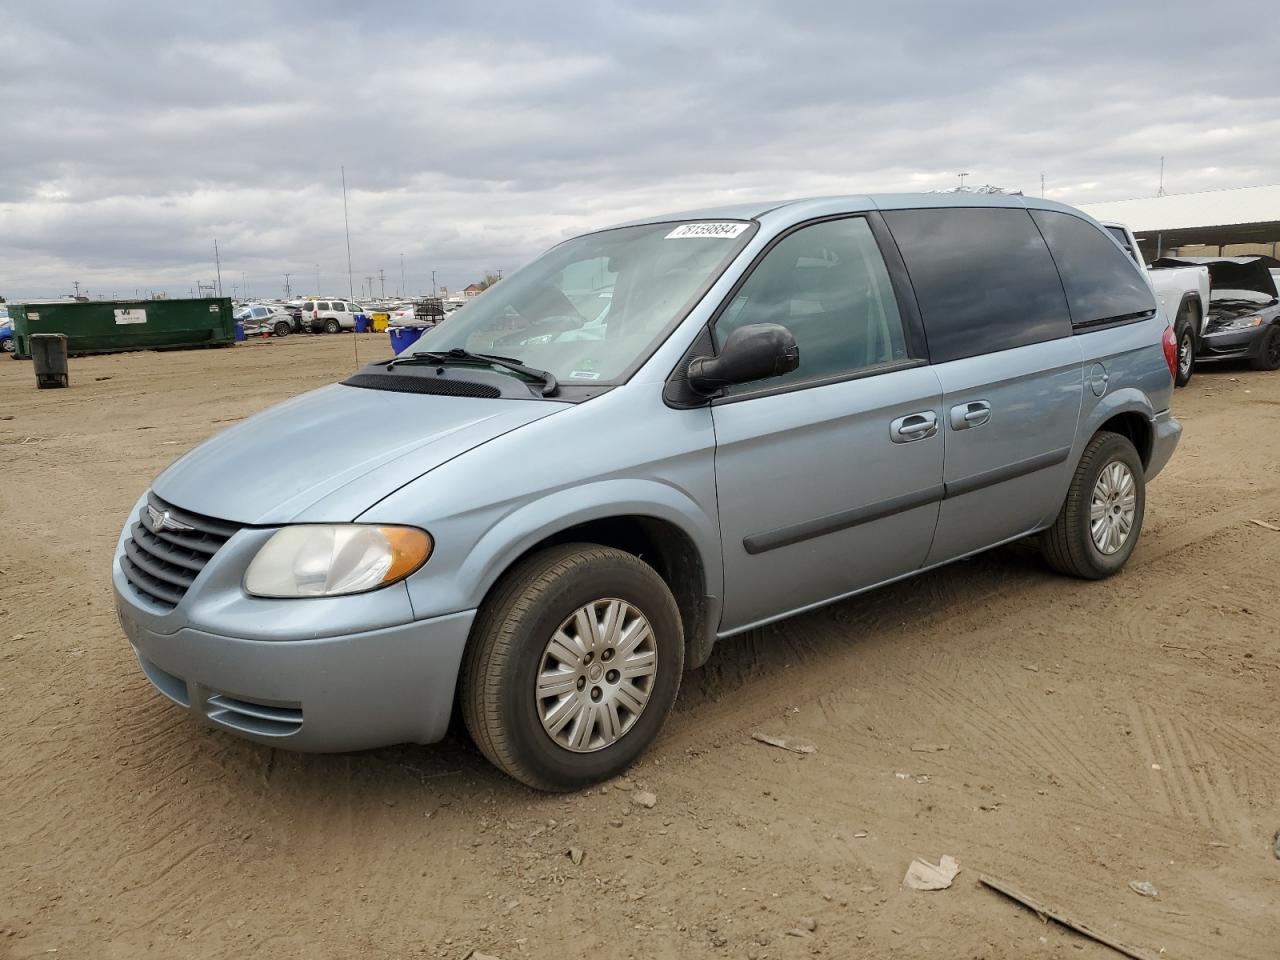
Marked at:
<point>282,328</point>
<point>509,648</point>
<point>332,326</point>
<point>1186,338</point>
<point>7,345</point>
<point>1069,545</point>
<point>1268,357</point>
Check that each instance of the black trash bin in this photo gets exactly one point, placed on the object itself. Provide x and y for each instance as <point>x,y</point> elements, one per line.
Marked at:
<point>49,354</point>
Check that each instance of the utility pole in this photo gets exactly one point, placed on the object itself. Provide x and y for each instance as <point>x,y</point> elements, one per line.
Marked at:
<point>404,291</point>
<point>286,286</point>
<point>1160,190</point>
<point>1042,184</point>
<point>218,262</point>
<point>369,285</point>
<point>77,283</point>
<point>383,280</point>
<point>317,279</point>
<point>244,285</point>
<point>962,176</point>
<point>433,284</point>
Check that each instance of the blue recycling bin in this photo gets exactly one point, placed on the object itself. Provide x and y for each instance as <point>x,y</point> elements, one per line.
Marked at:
<point>240,336</point>
<point>362,323</point>
<point>403,337</point>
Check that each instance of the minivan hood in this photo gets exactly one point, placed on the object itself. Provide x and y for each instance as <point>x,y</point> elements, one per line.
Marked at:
<point>330,454</point>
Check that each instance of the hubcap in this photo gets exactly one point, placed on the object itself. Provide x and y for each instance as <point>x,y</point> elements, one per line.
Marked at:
<point>596,675</point>
<point>1184,355</point>
<point>1273,349</point>
<point>1112,507</point>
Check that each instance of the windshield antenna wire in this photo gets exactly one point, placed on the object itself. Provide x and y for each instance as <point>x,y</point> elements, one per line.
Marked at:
<point>351,286</point>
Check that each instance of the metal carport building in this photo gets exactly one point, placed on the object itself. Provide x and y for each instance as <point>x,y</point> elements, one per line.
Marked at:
<point>1213,223</point>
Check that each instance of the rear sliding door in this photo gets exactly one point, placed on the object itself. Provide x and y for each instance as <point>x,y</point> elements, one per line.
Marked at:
<point>1000,341</point>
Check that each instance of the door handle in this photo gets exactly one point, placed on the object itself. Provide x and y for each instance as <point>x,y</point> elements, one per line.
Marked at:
<point>914,426</point>
<point>973,414</point>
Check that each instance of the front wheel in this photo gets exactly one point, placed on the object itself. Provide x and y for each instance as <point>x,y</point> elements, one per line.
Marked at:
<point>1101,518</point>
<point>573,665</point>
<point>282,329</point>
<point>1268,357</point>
<point>7,345</point>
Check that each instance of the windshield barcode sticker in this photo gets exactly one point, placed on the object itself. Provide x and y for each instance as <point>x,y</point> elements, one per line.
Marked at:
<point>715,231</point>
<point>584,375</point>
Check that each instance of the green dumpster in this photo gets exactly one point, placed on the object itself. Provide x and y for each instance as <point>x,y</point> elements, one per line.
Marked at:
<point>109,326</point>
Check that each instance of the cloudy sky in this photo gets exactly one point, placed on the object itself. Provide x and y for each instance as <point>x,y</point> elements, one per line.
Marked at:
<point>474,135</point>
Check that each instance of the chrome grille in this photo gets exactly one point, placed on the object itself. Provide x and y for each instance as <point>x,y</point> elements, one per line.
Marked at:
<point>167,548</point>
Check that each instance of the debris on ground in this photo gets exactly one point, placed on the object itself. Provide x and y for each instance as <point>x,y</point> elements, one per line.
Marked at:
<point>1266,526</point>
<point>477,955</point>
<point>1045,913</point>
<point>923,875</point>
<point>782,742</point>
<point>798,932</point>
<point>808,923</point>
<point>1143,888</point>
<point>574,854</point>
<point>643,798</point>
<point>1275,845</point>
<point>930,747</point>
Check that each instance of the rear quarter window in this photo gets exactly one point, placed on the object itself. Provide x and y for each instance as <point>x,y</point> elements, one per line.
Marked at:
<point>983,278</point>
<point>1102,284</point>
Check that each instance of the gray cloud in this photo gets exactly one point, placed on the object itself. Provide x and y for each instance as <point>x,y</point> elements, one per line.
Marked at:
<point>474,137</point>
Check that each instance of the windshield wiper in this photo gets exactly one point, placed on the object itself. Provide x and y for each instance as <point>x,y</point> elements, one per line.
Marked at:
<point>457,354</point>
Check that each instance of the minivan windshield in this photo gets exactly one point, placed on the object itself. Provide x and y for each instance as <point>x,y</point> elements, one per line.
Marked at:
<point>593,308</point>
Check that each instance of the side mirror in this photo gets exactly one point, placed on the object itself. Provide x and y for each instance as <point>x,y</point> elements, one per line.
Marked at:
<point>756,351</point>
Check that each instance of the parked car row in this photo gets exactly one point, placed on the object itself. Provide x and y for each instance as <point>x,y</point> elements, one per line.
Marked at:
<point>558,501</point>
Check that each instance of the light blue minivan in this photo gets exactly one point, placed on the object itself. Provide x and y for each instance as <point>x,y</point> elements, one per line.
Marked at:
<point>652,438</point>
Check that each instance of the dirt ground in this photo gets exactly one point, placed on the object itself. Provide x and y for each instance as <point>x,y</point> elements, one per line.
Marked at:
<point>1094,734</point>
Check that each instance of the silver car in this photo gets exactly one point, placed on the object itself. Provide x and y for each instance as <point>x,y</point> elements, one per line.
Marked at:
<point>549,511</point>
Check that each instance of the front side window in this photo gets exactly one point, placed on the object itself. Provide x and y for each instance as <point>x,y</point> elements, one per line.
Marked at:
<point>983,278</point>
<point>828,285</point>
<point>593,308</point>
<point>1102,284</point>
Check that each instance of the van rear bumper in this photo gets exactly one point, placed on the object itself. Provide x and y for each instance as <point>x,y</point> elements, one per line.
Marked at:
<point>351,692</point>
<point>1165,431</point>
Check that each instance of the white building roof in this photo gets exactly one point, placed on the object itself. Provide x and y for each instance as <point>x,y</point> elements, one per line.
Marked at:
<point>1187,213</point>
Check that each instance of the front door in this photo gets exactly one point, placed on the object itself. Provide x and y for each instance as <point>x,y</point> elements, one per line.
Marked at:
<point>828,478</point>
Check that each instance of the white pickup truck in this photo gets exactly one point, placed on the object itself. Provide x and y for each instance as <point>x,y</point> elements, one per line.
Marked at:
<point>1183,293</point>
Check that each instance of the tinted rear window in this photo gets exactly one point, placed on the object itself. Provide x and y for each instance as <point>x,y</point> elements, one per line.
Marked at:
<point>1102,283</point>
<point>983,278</point>
<point>322,304</point>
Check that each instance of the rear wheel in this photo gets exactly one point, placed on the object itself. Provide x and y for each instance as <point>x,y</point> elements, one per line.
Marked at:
<point>7,345</point>
<point>332,326</point>
<point>1268,357</point>
<point>573,665</point>
<point>1100,520</point>
<point>1186,336</point>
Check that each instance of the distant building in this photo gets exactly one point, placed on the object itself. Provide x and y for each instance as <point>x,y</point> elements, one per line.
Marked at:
<point>472,290</point>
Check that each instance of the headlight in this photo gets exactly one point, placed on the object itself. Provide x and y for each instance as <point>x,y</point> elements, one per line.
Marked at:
<point>328,560</point>
<point>1239,323</point>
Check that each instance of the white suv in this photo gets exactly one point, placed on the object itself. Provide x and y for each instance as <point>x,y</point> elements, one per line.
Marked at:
<point>331,316</point>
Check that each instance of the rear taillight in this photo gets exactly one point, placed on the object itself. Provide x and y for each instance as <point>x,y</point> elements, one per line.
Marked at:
<point>1170,344</point>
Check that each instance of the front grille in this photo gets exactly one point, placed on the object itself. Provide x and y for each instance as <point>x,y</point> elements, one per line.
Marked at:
<point>167,548</point>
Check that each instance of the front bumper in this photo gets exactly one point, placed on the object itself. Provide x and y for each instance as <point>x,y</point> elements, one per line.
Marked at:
<point>1236,345</point>
<point>1165,432</point>
<point>352,692</point>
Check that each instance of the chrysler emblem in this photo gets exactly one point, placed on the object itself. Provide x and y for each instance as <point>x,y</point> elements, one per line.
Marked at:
<point>162,520</point>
